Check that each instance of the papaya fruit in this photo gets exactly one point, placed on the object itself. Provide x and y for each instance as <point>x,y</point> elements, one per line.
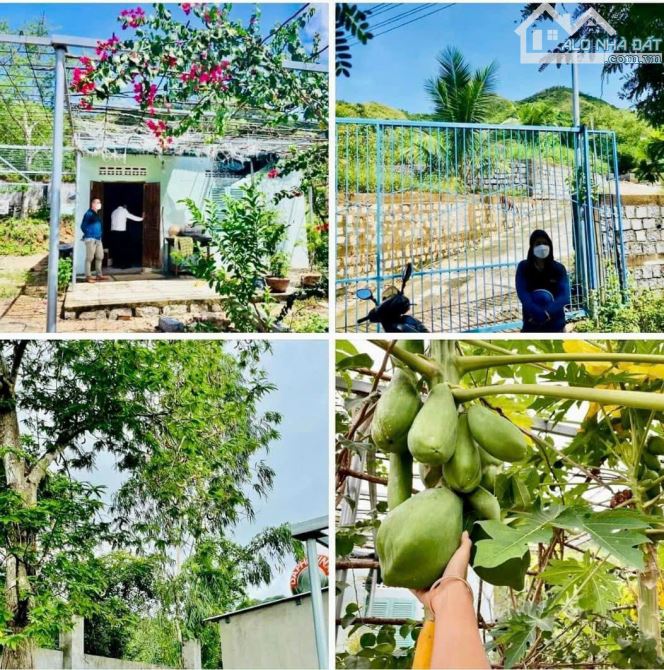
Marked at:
<point>489,474</point>
<point>510,573</point>
<point>416,540</point>
<point>484,504</point>
<point>651,461</point>
<point>432,436</point>
<point>651,489</point>
<point>399,479</point>
<point>430,474</point>
<point>494,433</point>
<point>463,471</point>
<point>486,458</point>
<point>395,411</point>
<point>655,445</point>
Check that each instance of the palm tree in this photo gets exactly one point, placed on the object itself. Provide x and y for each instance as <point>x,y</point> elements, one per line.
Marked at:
<point>459,94</point>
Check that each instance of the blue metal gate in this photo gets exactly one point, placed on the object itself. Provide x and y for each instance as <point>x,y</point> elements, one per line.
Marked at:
<point>460,201</point>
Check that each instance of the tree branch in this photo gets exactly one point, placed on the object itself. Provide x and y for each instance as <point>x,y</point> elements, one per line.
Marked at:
<point>636,399</point>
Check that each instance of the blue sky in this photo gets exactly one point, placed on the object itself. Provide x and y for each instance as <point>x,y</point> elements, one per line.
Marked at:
<point>392,68</point>
<point>99,19</point>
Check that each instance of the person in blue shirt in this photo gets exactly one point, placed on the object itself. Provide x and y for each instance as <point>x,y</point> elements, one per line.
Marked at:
<point>94,249</point>
<point>543,287</point>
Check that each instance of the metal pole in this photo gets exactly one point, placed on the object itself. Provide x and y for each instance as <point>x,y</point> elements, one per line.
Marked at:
<point>590,223</point>
<point>320,629</point>
<point>621,250</point>
<point>576,109</point>
<point>56,187</point>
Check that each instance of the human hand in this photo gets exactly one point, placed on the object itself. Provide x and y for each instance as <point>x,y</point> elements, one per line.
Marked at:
<point>457,568</point>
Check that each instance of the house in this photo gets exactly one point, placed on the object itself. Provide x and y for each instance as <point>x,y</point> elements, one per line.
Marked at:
<point>539,42</point>
<point>122,163</point>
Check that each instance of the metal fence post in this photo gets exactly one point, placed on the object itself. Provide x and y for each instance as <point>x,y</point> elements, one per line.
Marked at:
<point>590,224</point>
<point>379,211</point>
<point>320,629</point>
<point>56,186</point>
<point>621,250</point>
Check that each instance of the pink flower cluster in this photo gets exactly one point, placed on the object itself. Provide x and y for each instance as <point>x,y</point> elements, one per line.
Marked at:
<point>132,18</point>
<point>145,95</point>
<point>186,7</point>
<point>217,74</point>
<point>105,48</point>
<point>273,173</point>
<point>82,80</point>
<point>159,130</point>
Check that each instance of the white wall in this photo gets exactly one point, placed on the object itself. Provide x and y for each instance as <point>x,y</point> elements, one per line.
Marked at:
<point>184,177</point>
<point>277,635</point>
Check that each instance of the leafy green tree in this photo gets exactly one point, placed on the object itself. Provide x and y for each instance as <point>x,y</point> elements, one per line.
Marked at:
<point>458,93</point>
<point>179,419</point>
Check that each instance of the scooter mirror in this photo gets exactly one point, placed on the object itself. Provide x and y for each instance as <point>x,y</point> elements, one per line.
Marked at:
<point>364,294</point>
<point>406,274</point>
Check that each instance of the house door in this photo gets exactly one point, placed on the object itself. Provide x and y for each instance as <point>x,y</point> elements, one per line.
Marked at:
<point>151,225</point>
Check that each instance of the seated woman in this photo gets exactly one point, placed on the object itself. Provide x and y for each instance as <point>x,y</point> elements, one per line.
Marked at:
<point>543,287</point>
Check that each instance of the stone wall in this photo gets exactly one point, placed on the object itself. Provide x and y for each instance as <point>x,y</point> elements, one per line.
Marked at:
<point>643,235</point>
<point>426,228</point>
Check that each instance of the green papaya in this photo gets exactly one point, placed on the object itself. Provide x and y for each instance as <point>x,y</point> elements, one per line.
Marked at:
<point>655,445</point>
<point>494,433</point>
<point>489,474</point>
<point>647,477</point>
<point>399,479</point>
<point>416,540</point>
<point>430,474</point>
<point>484,504</point>
<point>432,437</point>
<point>651,461</point>
<point>395,411</point>
<point>510,573</point>
<point>463,471</point>
<point>413,346</point>
<point>487,458</point>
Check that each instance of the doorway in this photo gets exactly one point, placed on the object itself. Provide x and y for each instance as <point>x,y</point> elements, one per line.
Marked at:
<point>140,246</point>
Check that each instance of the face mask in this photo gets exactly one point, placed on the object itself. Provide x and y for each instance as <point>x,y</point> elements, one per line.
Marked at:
<point>541,251</point>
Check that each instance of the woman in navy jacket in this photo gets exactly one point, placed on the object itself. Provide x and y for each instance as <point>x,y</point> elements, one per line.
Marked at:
<point>543,287</point>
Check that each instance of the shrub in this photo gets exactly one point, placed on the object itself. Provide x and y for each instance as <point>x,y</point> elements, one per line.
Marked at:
<point>23,237</point>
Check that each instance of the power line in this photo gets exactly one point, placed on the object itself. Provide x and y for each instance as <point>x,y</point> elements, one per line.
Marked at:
<point>403,15</point>
<point>379,9</point>
<point>417,18</point>
<point>285,23</point>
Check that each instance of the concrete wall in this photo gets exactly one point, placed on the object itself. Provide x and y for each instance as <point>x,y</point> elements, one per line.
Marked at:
<point>22,200</point>
<point>71,655</point>
<point>184,177</point>
<point>643,235</point>
<point>274,635</point>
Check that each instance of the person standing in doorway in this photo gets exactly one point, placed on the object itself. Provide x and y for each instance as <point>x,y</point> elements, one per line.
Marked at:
<point>94,249</point>
<point>124,244</point>
<point>543,287</point>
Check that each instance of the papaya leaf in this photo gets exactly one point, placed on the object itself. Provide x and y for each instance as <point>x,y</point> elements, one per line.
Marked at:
<point>590,582</point>
<point>616,531</point>
<point>511,541</point>
<point>518,632</point>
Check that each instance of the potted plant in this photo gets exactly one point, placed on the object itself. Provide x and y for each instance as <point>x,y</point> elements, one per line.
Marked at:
<point>277,279</point>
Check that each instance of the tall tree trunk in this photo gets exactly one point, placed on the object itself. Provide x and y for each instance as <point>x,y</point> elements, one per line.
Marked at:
<point>648,608</point>
<point>17,587</point>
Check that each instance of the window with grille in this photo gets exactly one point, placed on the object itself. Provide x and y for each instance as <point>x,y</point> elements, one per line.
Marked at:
<point>122,171</point>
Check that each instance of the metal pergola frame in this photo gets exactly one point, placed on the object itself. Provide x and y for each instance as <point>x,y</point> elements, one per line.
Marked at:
<point>60,44</point>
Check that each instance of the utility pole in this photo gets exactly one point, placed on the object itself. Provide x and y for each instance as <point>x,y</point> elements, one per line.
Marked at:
<point>576,110</point>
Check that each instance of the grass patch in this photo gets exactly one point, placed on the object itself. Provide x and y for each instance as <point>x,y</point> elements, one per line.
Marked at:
<point>23,237</point>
